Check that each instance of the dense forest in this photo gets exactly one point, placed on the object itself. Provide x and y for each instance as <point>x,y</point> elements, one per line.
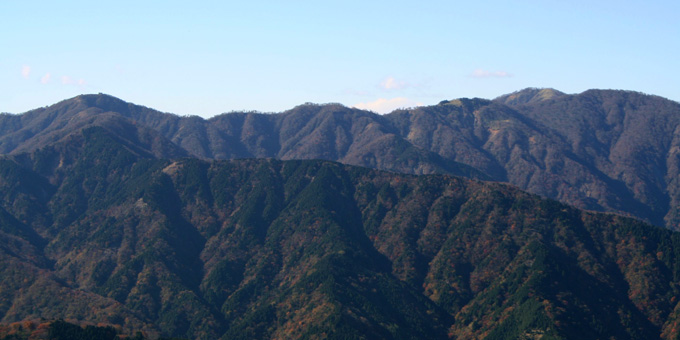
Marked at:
<point>63,330</point>
<point>99,230</point>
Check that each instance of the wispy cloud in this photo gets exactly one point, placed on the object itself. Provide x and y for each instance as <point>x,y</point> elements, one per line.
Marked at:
<point>46,78</point>
<point>26,71</point>
<point>384,105</point>
<point>391,83</point>
<point>480,73</point>
<point>66,80</point>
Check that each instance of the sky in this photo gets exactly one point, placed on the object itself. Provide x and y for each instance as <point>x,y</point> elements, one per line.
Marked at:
<point>206,58</point>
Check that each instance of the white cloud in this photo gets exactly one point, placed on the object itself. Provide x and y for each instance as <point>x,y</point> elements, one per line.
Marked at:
<point>46,78</point>
<point>384,105</point>
<point>392,84</point>
<point>25,71</point>
<point>66,80</point>
<point>479,73</point>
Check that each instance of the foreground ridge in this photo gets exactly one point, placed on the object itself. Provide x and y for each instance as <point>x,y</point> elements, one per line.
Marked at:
<point>98,231</point>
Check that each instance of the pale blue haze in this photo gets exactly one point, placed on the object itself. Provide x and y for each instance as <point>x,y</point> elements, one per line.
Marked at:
<point>205,58</point>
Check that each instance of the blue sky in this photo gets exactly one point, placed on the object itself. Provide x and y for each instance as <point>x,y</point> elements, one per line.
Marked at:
<point>205,58</point>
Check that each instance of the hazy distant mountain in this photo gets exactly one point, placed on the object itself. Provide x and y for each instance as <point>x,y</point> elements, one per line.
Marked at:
<point>95,230</point>
<point>329,132</point>
<point>600,150</point>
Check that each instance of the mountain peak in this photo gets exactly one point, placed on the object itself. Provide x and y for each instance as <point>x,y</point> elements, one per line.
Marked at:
<point>529,95</point>
<point>469,104</point>
<point>102,101</point>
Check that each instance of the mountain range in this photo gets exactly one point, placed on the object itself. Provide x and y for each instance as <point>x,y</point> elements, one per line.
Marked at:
<point>601,150</point>
<point>117,214</point>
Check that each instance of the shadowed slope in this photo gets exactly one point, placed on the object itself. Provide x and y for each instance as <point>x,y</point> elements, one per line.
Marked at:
<point>299,249</point>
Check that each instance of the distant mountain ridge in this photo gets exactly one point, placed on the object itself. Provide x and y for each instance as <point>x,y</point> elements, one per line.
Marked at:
<point>529,96</point>
<point>600,150</point>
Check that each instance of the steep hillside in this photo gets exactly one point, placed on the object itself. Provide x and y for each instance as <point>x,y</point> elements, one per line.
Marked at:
<point>631,139</point>
<point>602,150</point>
<point>564,148</point>
<point>304,249</point>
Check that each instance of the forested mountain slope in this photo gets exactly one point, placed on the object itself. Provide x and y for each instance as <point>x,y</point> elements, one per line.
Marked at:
<point>96,230</point>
